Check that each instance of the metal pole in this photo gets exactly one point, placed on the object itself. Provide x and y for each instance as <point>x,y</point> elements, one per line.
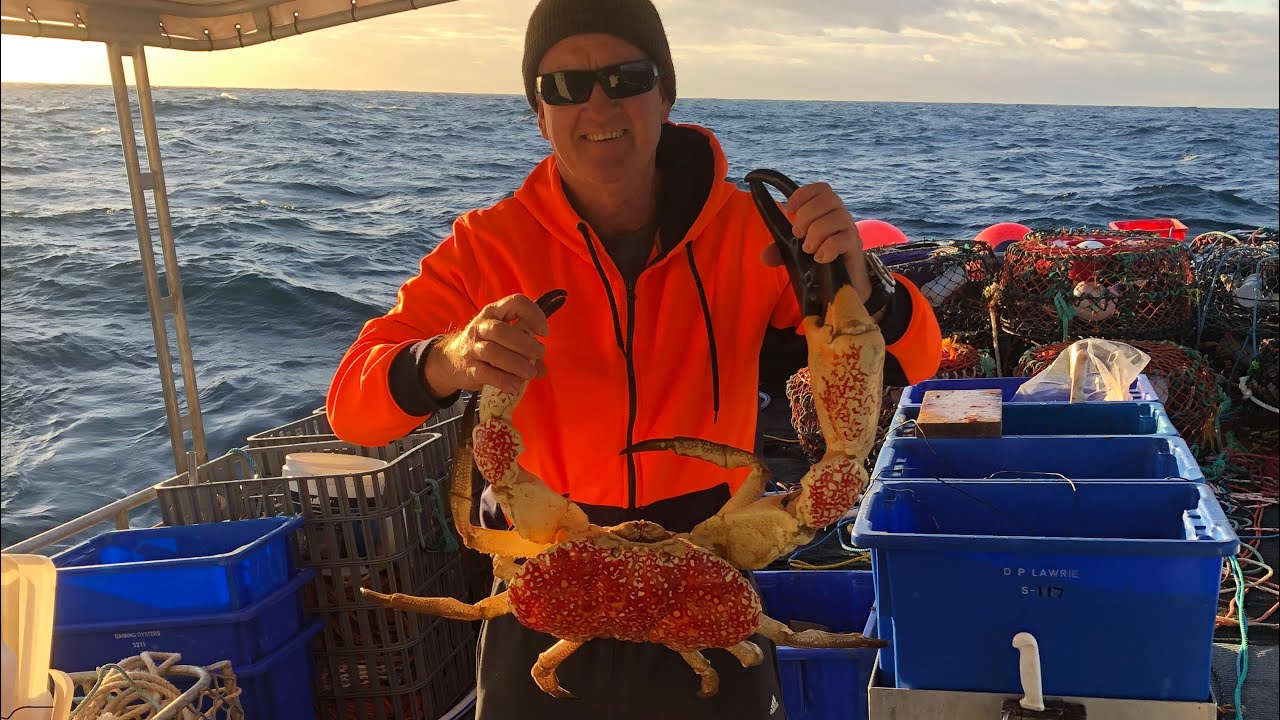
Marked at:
<point>161,305</point>
<point>172,272</point>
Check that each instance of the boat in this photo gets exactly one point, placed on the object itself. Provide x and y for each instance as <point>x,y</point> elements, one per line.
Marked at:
<point>127,28</point>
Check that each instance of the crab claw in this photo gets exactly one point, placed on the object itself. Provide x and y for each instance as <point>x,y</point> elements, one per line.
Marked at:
<point>815,284</point>
<point>551,301</point>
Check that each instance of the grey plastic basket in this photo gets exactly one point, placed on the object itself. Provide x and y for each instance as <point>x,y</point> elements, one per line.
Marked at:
<point>316,428</point>
<point>396,536</point>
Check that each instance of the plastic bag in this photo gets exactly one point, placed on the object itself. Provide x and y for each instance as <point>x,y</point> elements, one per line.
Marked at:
<point>1101,369</point>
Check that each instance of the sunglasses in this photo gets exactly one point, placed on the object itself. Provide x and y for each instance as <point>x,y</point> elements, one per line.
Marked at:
<point>573,87</point>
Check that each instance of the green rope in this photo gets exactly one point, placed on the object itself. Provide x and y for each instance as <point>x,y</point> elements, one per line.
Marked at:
<point>988,365</point>
<point>1242,657</point>
<point>1066,311</point>
<point>103,672</point>
<point>248,461</point>
<point>448,543</point>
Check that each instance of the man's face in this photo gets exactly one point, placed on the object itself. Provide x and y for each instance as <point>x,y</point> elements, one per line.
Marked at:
<point>601,141</point>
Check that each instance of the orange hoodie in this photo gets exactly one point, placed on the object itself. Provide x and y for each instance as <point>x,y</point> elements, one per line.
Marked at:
<point>677,354</point>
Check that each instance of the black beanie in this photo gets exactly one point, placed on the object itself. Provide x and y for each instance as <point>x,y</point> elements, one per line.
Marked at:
<point>635,21</point>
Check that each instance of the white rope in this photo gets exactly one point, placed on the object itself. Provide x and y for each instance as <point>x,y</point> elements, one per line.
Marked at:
<point>1244,390</point>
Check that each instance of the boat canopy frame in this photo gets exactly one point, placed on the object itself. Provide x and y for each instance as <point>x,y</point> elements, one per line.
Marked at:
<point>127,27</point>
<point>189,24</point>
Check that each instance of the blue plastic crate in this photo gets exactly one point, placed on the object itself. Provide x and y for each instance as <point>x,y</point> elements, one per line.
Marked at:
<point>1140,391</point>
<point>279,686</point>
<point>962,568</point>
<point>171,572</point>
<point>1109,418</point>
<point>822,683</point>
<point>1149,457</point>
<point>242,637</point>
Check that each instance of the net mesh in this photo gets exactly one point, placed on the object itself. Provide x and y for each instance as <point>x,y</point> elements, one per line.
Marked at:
<point>952,275</point>
<point>959,360</point>
<point>1180,376</point>
<point>1240,297</point>
<point>1064,284</point>
<point>1262,380</point>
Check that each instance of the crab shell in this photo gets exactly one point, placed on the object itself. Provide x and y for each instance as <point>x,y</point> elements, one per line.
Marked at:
<point>670,592</point>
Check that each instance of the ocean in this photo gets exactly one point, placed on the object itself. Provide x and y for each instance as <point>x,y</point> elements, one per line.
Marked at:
<point>299,213</point>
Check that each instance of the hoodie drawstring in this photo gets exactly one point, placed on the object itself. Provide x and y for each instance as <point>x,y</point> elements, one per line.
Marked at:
<point>702,299</point>
<point>711,335</point>
<point>608,291</point>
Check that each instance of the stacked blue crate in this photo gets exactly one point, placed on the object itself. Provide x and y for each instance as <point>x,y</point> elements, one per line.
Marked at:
<point>822,683</point>
<point>1083,524</point>
<point>219,591</point>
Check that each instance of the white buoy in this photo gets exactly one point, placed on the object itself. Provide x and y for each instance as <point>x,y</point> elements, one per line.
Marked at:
<point>940,289</point>
<point>1249,294</point>
<point>1088,306</point>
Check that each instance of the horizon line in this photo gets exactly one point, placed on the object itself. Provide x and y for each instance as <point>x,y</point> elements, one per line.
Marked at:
<point>738,99</point>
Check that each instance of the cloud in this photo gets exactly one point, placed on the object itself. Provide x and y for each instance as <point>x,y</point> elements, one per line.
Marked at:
<point>1112,51</point>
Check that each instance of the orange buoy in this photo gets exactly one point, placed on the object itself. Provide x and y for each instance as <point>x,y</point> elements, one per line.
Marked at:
<point>878,233</point>
<point>998,236</point>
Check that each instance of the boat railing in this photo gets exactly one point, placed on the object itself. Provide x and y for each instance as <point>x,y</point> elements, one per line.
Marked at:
<point>117,512</point>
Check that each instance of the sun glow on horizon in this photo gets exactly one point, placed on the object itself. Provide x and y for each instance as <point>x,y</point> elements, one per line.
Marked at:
<point>1047,51</point>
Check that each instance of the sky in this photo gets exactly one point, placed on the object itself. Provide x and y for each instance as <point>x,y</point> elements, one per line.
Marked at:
<point>1205,53</point>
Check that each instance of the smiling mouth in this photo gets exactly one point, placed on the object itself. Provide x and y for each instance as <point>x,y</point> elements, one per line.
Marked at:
<point>602,137</point>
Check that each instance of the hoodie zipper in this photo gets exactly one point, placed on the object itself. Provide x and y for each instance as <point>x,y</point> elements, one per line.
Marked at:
<point>631,393</point>
<point>626,348</point>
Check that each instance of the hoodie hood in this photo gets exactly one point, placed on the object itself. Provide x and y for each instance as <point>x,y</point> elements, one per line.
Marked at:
<point>694,189</point>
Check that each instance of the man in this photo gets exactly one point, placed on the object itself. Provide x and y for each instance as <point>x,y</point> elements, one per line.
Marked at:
<point>671,285</point>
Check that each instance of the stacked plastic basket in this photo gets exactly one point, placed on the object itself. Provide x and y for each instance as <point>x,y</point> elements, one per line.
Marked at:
<point>394,536</point>
<point>1087,525</point>
<point>225,591</point>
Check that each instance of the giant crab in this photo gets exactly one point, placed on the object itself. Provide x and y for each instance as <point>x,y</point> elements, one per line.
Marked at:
<point>638,581</point>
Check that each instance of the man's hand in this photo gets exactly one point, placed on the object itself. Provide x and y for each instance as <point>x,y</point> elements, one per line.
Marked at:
<point>819,217</point>
<point>490,350</point>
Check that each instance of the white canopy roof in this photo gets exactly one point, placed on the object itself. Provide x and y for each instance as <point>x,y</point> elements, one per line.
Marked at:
<point>189,24</point>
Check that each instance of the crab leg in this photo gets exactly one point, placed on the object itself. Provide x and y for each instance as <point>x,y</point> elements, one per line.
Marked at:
<point>535,510</point>
<point>501,543</point>
<point>747,652</point>
<point>544,670</point>
<point>725,456</point>
<point>846,364</point>
<point>783,635</point>
<point>710,679</point>
<point>750,531</point>
<point>487,609</point>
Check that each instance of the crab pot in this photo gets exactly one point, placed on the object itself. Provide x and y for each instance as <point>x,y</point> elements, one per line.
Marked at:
<point>822,683</point>
<point>1261,387</point>
<point>1240,298</point>
<point>953,276</point>
<point>1071,284</point>
<point>1180,377</point>
<point>961,568</point>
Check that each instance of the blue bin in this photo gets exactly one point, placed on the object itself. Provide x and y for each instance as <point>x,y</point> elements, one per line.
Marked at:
<point>822,683</point>
<point>242,637</point>
<point>279,686</point>
<point>1140,391</point>
<point>172,572</point>
<point>1150,457</point>
<point>1094,418</point>
<point>961,568</point>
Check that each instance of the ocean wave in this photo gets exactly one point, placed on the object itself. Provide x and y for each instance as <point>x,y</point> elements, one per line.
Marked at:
<point>298,214</point>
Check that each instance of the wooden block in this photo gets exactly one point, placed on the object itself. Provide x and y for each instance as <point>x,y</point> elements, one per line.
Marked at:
<point>960,414</point>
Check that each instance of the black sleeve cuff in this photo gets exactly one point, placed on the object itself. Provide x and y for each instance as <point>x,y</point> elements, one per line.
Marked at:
<point>407,383</point>
<point>897,316</point>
